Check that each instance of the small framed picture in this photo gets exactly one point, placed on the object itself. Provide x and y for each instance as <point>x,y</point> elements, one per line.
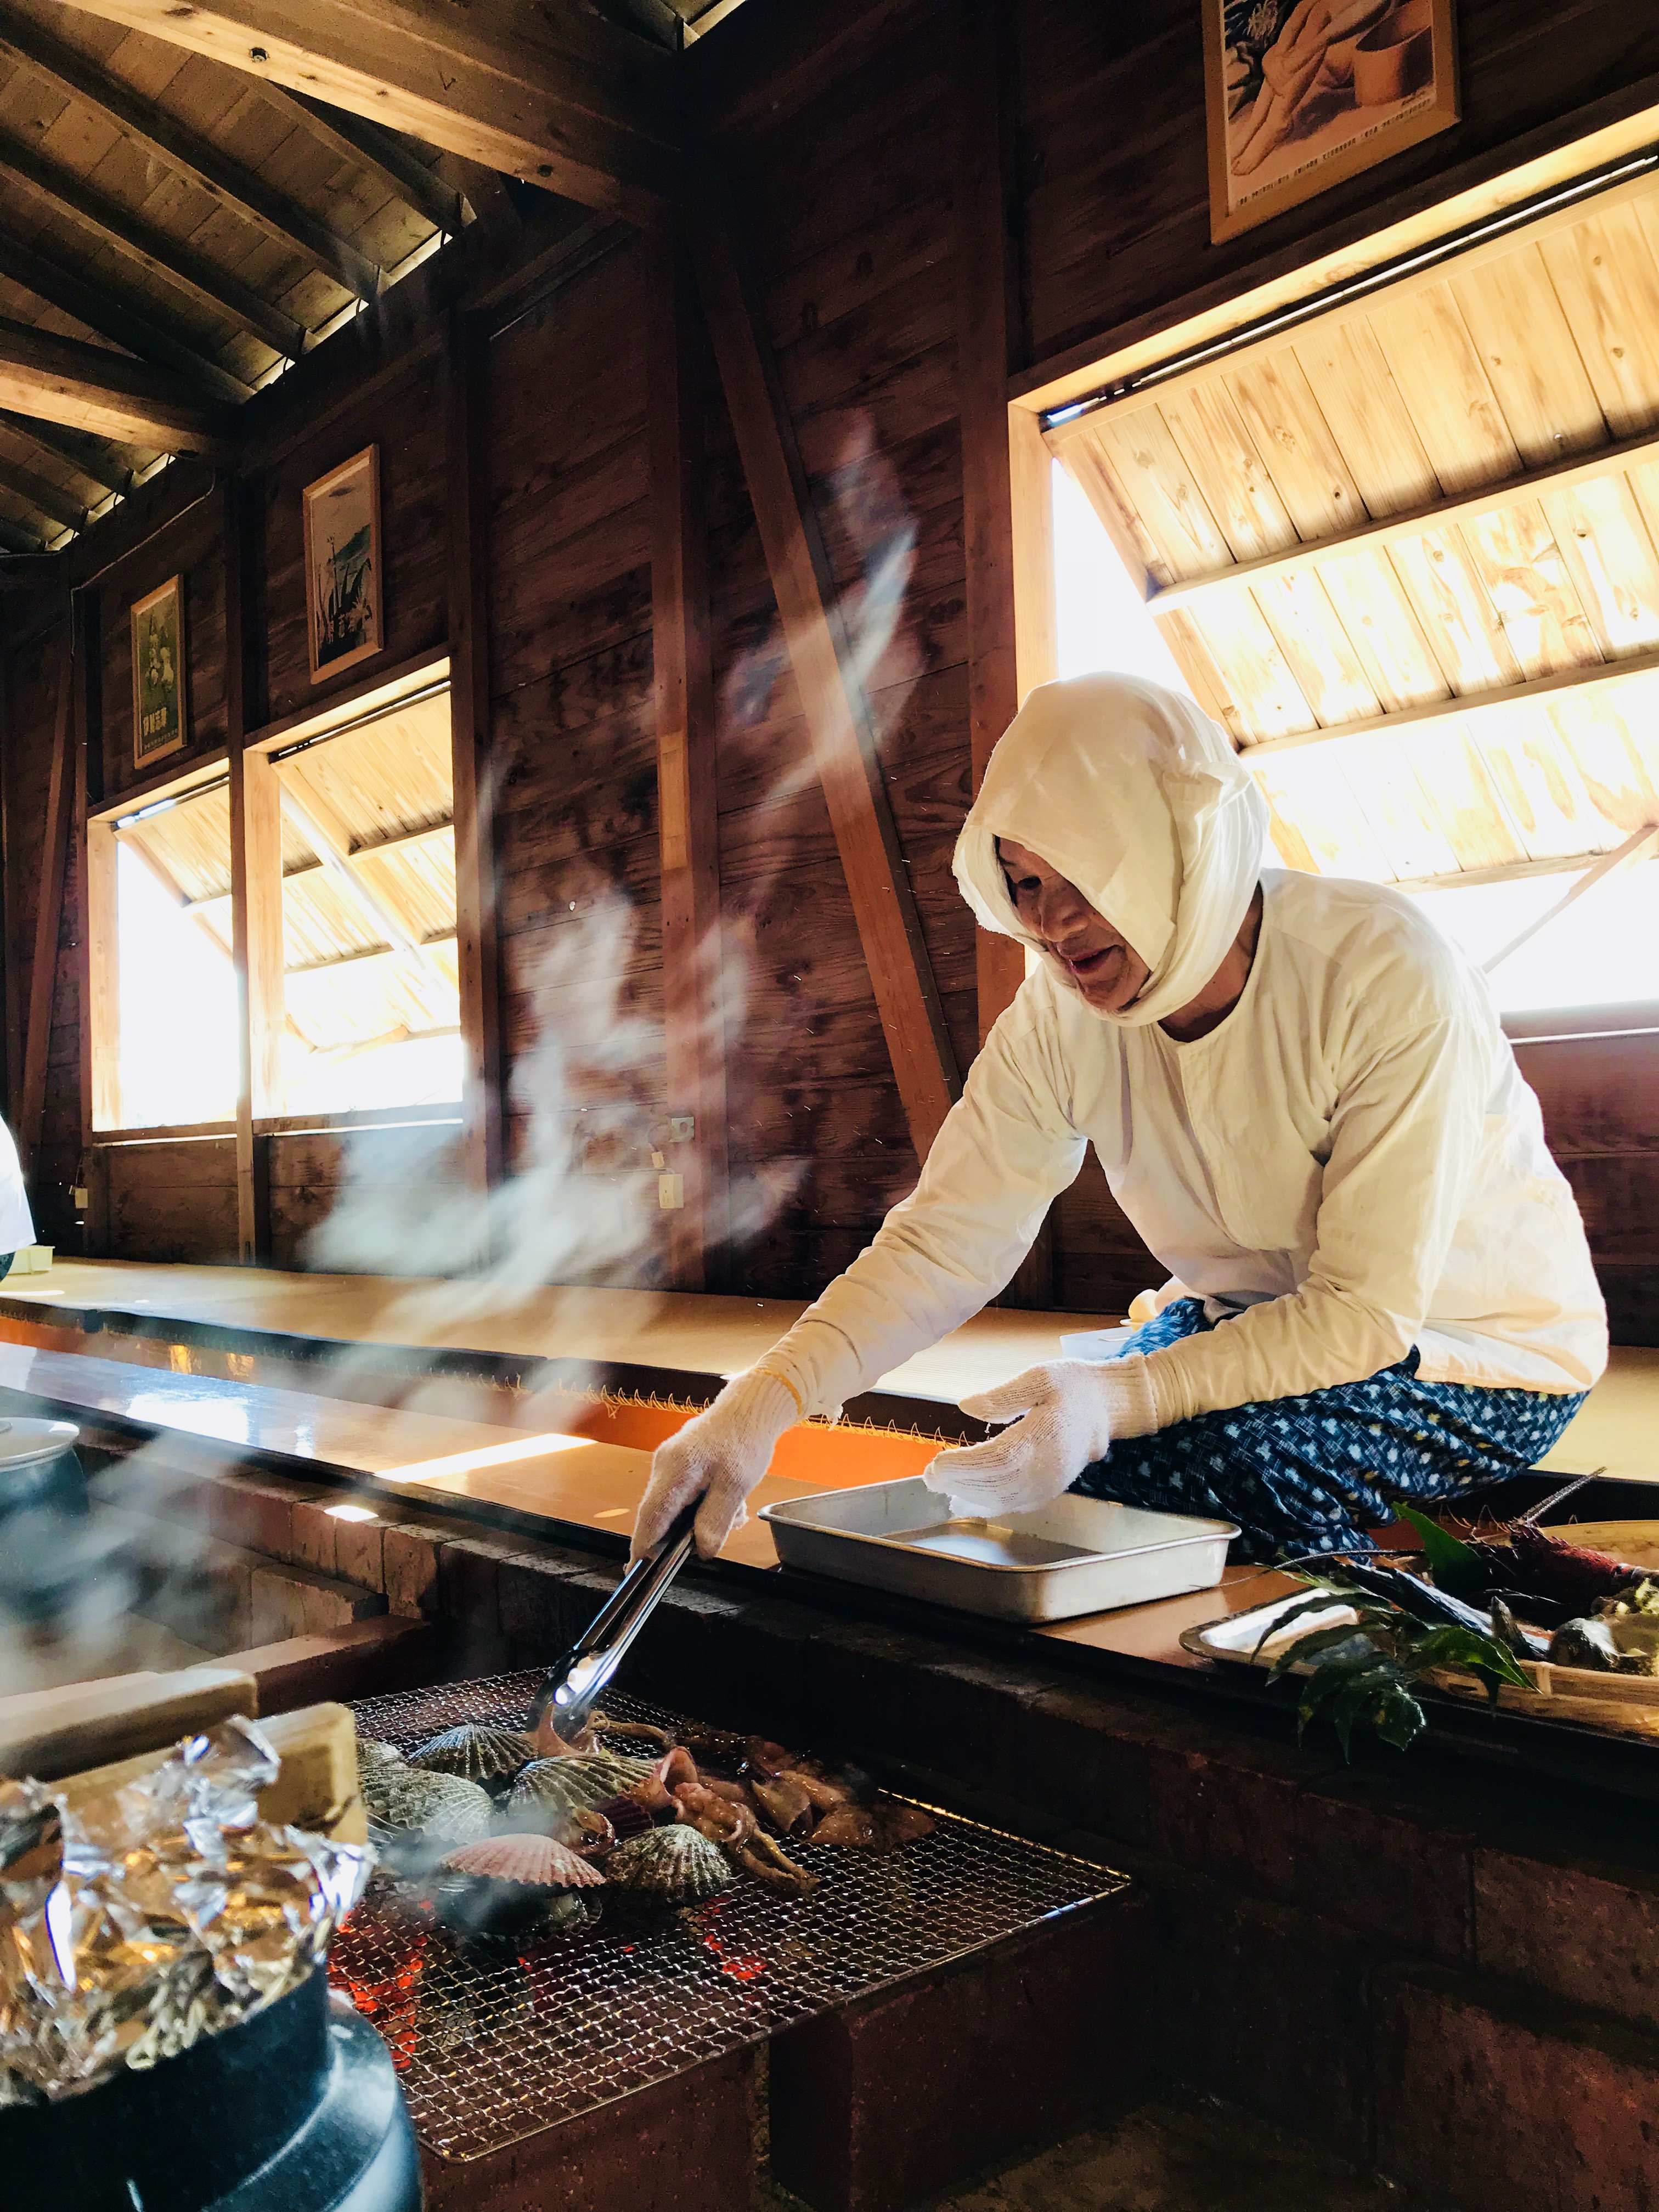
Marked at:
<point>342,564</point>
<point>161,710</point>
<point>1303,94</point>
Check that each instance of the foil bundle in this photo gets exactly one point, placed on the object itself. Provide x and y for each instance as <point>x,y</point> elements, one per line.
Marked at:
<point>142,1920</point>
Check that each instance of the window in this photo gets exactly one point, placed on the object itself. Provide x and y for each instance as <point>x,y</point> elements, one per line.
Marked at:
<point>354,1001</point>
<point>1406,551</point>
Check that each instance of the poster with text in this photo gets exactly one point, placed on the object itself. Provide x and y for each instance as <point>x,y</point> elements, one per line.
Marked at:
<point>342,564</point>
<point>159,707</point>
<point>1304,93</point>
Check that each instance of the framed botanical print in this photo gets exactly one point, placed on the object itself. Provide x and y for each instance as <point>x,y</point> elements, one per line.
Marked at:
<point>1304,93</point>
<point>160,694</point>
<point>342,565</point>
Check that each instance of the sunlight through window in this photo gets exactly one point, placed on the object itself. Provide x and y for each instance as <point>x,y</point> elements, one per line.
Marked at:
<point>178,993</point>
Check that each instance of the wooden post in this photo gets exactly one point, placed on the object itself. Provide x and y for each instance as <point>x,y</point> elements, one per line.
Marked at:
<point>832,696</point>
<point>96,876</point>
<point>483,1126</point>
<point>686,819</point>
<point>997,478</point>
<point>987,286</point>
<point>49,913</point>
<point>256,904</point>
<point>102,970</point>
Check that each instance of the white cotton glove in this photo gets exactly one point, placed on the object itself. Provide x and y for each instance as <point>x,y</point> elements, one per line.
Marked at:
<point>721,1455</point>
<point>1071,1409</point>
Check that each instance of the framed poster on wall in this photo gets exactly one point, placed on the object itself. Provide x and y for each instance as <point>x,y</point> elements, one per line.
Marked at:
<point>342,565</point>
<point>160,703</point>
<point>1302,94</point>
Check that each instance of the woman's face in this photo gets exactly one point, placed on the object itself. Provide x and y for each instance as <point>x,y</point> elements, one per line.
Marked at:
<point>1103,967</point>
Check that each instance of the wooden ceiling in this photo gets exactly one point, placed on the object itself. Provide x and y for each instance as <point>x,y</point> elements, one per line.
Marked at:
<point>1410,555</point>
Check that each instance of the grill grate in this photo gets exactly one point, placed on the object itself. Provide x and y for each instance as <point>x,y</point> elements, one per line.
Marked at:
<point>494,2043</point>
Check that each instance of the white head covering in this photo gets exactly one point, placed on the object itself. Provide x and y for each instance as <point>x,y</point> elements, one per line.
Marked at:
<point>1138,799</point>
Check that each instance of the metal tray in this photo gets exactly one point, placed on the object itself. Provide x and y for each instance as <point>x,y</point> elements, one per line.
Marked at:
<point>1077,1555</point>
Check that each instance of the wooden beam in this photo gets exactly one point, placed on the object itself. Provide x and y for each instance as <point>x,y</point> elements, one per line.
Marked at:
<point>1501,871</point>
<point>51,500</point>
<point>256,889</point>
<point>1638,845</point>
<point>376,952</point>
<point>1437,514</point>
<point>988,321</point>
<point>310,818</point>
<point>989,349</point>
<point>87,614</point>
<point>64,380</point>
<point>93,458</point>
<point>466,363</point>
<point>699,1231</point>
<point>1471,705</point>
<point>395,166</point>
<point>180,148</point>
<point>21,543</point>
<point>400,841</point>
<point>102,310</point>
<point>832,697</point>
<point>139,241</point>
<point>553,95</point>
<point>49,911</point>
<point>103,978</point>
<point>30,572</point>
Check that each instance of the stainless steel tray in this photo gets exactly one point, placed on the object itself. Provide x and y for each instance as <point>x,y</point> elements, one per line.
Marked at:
<point>1077,1555</point>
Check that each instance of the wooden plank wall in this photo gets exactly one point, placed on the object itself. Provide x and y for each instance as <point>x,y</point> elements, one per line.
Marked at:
<point>843,182</point>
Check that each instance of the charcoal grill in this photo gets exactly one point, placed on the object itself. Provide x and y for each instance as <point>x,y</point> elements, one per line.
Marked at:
<point>494,2043</point>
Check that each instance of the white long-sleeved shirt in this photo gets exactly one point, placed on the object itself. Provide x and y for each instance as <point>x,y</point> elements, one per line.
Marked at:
<point>16,1222</point>
<point>1350,1164</point>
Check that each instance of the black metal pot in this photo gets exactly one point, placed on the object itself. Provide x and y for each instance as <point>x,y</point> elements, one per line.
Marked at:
<point>43,1517</point>
<point>298,2110</point>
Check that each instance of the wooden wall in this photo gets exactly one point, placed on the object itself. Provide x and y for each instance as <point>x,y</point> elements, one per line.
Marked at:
<point>842,176</point>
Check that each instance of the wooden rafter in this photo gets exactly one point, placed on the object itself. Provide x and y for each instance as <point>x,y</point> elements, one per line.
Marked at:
<point>832,696</point>
<point>382,153</point>
<point>309,817</point>
<point>1564,682</point>
<point>153,250</point>
<point>181,148</point>
<point>1437,514</point>
<point>49,500</point>
<point>432,937</point>
<point>554,94</point>
<point>64,380</point>
<point>688,830</point>
<point>103,310</point>
<point>92,458</point>
<point>26,569</point>
<point>49,911</point>
<point>477,972</point>
<point>21,544</point>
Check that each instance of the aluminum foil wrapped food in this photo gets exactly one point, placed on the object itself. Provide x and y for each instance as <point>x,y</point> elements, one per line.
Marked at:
<point>164,1911</point>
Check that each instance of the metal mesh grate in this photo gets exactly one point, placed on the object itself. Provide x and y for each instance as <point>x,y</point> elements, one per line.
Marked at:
<point>495,2043</point>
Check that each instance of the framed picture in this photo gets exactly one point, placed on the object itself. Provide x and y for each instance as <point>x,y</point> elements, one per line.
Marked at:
<point>1303,93</point>
<point>160,709</point>
<point>342,564</point>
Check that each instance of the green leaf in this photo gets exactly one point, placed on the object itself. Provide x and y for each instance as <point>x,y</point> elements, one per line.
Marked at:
<point>1314,1645</point>
<point>1455,1567</point>
<point>1480,1655</point>
<point>1398,1718</point>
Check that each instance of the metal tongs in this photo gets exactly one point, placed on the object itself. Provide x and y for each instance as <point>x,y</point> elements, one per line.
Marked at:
<point>571,1688</point>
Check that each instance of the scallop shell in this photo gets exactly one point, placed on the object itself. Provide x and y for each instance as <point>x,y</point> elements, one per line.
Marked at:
<point>548,1786</point>
<point>535,1861</point>
<point>671,1866</point>
<point>371,1753</point>
<point>627,1816</point>
<point>447,1808</point>
<point>476,1752</point>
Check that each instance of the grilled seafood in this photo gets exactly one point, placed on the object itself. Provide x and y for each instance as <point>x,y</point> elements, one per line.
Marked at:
<point>671,1866</point>
<point>713,1815</point>
<point>785,1803</point>
<point>446,1808</point>
<point>551,1787</point>
<point>533,1861</point>
<point>478,1752</point>
<point>767,1860</point>
<point>882,1827</point>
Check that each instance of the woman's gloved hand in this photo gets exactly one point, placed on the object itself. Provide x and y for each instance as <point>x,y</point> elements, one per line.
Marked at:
<point>1064,1417</point>
<point>721,1455</point>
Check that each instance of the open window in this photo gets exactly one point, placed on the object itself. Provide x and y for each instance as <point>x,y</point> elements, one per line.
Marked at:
<point>1407,549</point>
<point>352,993</point>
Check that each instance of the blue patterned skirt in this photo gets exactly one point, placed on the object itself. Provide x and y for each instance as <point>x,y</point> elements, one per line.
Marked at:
<point>1312,1474</point>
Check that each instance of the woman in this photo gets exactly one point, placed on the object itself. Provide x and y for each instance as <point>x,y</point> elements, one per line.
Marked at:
<point>1301,1099</point>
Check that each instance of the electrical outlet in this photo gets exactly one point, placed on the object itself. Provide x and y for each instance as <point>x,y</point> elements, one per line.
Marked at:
<point>682,1127</point>
<point>78,1197</point>
<point>670,1192</point>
